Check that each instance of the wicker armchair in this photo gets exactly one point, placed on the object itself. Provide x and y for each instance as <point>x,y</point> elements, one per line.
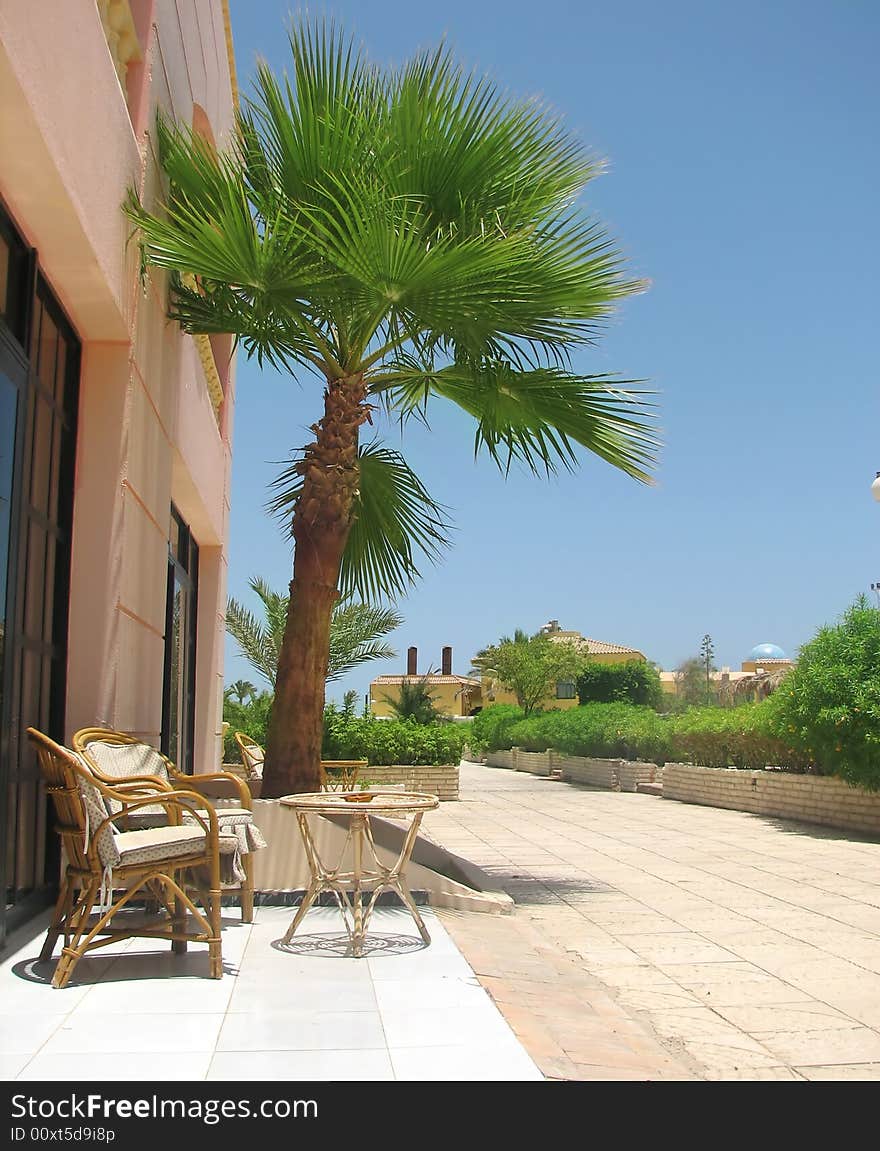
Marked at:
<point>340,774</point>
<point>252,755</point>
<point>115,757</point>
<point>107,868</point>
<point>336,774</point>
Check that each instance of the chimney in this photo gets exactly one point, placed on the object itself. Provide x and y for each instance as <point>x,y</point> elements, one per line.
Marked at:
<point>412,661</point>
<point>447,661</point>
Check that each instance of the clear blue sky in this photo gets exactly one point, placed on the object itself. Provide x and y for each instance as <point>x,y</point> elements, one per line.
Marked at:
<point>743,175</point>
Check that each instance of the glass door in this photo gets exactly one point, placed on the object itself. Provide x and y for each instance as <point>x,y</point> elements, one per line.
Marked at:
<point>39,375</point>
<point>178,708</point>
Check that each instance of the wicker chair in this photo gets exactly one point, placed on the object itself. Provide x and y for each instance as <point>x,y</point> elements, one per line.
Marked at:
<point>116,757</point>
<point>252,755</point>
<point>340,774</point>
<point>336,774</point>
<point>109,867</point>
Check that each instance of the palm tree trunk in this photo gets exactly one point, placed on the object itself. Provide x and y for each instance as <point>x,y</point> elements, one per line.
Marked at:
<point>321,524</point>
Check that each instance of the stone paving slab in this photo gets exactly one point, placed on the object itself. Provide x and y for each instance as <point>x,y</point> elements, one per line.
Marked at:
<point>720,944</point>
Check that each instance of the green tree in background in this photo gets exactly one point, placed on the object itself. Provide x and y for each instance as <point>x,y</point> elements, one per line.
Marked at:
<point>530,667</point>
<point>707,658</point>
<point>407,235</point>
<point>241,691</point>
<point>634,681</point>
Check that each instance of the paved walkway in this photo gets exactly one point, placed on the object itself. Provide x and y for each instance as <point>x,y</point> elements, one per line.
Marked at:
<point>301,1013</point>
<point>654,939</point>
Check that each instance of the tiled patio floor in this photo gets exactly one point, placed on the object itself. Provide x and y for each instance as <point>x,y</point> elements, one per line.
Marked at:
<point>307,1013</point>
<point>690,941</point>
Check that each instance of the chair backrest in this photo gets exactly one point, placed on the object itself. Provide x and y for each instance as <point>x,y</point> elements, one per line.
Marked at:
<point>80,804</point>
<point>118,756</point>
<point>252,755</point>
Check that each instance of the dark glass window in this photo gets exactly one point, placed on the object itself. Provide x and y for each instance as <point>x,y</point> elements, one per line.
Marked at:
<point>39,370</point>
<point>566,689</point>
<point>178,707</point>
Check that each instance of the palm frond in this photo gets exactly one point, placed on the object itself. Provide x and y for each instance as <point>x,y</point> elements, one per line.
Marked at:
<point>535,416</point>
<point>394,519</point>
<point>256,644</point>
<point>356,633</point>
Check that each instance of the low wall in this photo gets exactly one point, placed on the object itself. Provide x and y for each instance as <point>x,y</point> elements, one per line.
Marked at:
<point>808,798</point>
<point>441,780</point>
<point>611,774</point>
<point>500,759</point>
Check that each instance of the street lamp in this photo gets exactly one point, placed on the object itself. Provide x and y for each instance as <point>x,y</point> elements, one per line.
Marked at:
<point>875,487</point>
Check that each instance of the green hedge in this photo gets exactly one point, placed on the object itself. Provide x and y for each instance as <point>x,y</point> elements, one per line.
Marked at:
<point>386,741</point>
<point>712,736</point>
<point>347,736</point>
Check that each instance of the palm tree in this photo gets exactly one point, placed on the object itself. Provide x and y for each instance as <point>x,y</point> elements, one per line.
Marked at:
<point>407,235</point>
<point>356,631</point>
<point>415,701</point>
<point>241,690</point>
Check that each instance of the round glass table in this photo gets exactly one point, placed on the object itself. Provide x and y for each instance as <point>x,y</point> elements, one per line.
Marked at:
<point>350,887</point>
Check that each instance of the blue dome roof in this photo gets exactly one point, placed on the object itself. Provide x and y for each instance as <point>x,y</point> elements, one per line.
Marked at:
<point>766,651</point>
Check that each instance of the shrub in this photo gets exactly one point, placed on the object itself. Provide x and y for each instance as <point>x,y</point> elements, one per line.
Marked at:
<point>251,717</point>
<point>828,706</point>
<point>491,726</point>
<point>387,741</point>
<point>635,682</point>
<point>710,736</point>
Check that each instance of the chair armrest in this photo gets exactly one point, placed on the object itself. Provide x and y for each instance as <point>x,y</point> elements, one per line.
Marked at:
<point>239,785</point>
<point>142,783</point>
<point>172,802</point>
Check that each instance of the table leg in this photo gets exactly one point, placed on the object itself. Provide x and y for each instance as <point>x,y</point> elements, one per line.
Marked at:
<point>308,899</point>
<point>357,843</point>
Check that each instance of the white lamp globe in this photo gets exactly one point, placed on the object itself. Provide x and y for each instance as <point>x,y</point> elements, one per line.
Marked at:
<point>875,487</point>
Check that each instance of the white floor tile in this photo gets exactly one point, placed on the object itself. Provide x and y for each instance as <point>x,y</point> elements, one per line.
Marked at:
<point>10,1065</point>
<point>167,993</point>
<point>294,995</point>
<point>135,1033</point>
<point>301,1066</point>
<point>421,966</point>
<point>434,994</point>
<point>479,1026</point>
<point>121,1066</point>
<point>25,1035</point>
<point>460,1064</point>
<point>302,1031</point>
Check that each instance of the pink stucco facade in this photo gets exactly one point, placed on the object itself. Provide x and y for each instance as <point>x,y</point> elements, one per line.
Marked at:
<point>73,139</point>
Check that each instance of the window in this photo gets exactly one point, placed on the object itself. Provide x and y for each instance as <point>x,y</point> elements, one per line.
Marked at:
<point>178,704</point>
<point>566,689</point>
<point>39,373</point>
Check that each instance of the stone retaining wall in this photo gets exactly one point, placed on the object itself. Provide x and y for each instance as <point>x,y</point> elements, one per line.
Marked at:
<point>441,780</point>
<point>810,798</point>
<point>500,759</point>
<point>611,774</point>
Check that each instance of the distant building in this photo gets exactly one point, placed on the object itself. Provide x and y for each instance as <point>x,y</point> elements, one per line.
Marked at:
<point>765,663</point>
<point>454,695</point>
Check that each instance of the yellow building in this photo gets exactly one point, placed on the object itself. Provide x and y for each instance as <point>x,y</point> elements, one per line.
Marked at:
<point>566,691</point>
<point>454,695</point>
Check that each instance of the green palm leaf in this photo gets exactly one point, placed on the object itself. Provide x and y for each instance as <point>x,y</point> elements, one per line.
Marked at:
<point>394,520</point>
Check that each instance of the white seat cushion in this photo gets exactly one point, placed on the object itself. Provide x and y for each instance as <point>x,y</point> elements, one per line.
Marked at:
<point>156,844</point>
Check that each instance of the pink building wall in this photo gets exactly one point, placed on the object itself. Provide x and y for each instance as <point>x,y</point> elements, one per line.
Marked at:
<point>72,143</point>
